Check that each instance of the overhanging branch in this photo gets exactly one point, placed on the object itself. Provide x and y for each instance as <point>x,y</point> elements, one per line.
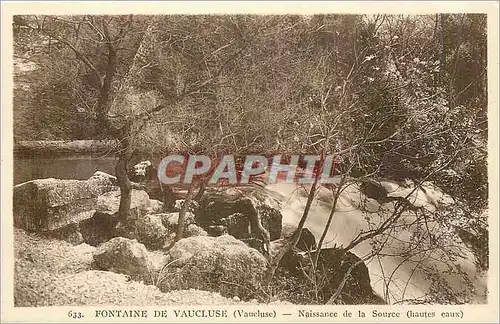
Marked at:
<point>79,55</point>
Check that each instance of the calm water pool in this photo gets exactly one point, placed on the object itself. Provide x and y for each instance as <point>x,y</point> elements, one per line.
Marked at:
<point>65,167</point>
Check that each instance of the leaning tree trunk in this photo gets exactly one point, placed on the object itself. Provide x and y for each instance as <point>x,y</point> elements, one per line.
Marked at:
<point>121,134</point>
<point>123,180</point>
<point>296,234</point>
<point>201,191</point>
<point>295,237</point>
<point>181,223</point>
<point>336,197</point>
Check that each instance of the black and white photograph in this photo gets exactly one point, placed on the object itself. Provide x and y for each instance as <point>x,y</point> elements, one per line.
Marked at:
<point>251,159</point>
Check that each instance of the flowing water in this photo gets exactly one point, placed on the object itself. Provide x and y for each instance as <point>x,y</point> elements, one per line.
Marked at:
<point>395,278</point>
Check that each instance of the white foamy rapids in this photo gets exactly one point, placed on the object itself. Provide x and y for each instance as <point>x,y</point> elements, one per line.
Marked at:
<point>393,277</point>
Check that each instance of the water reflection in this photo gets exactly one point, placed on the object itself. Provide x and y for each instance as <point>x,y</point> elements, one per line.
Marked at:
<point>64,167</point>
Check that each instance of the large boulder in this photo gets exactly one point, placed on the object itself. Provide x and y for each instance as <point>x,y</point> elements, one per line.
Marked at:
<point>334,264</point>
<point>339,262</point>
<point>216,230</point>
<point>103,176</point>
<point>109,203</point>
<point>50,204</point>
<point>271,219</point>
<point>293,260</point>
<point>155,206</point>
<point>171,220</point>
<point>102,226</point>
<point>126,256</point>
<point>216,264</point>
<point>307,240</point>
<point>374,189</point>
<point>99,229</point>
<point>70,234</point>
<point>237,215</point>
<point>236,224</point>
<point>154,230</point>
<point>151,232</point>
<point>194,230</point>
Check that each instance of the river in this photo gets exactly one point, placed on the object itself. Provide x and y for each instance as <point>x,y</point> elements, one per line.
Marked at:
<point>64,167</point>
<point>408,279</point>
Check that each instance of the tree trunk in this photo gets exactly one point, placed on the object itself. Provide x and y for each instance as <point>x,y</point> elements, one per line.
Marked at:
<point>123,180</point>
<point>122,135</point>
<point>168,196</point>
<point>201,191</point>
<point>105,95</point>
<point>329,222</point>
<point>181,223</point>
<point>442,50</point>
<point>296,235</point>
<point>259,231</point>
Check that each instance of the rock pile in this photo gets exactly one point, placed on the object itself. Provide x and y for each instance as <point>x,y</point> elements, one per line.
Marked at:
<point>227,239</point>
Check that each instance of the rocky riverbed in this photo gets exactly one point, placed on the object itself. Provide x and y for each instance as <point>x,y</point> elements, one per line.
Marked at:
<point>70,251</point>
<point>50,272</point>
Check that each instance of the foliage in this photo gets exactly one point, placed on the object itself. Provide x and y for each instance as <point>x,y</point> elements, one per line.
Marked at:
<point>392,96</point>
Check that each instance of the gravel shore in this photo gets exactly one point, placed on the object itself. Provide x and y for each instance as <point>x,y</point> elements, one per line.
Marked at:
<point>49,272</point>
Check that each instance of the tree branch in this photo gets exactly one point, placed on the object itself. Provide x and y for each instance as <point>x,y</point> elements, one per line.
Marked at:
<point>79,55</point>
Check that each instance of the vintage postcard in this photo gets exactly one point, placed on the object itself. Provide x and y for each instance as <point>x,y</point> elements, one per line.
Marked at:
<point>249,161</point>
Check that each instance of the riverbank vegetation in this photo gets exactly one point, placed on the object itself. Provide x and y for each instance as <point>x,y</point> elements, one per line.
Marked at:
<point>390,96</point>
